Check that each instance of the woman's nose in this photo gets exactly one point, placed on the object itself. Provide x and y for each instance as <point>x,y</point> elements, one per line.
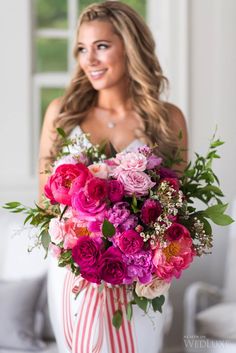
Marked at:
<point>92,57</point>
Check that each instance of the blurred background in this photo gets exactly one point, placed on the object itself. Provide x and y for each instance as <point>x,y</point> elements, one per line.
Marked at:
<point>196,45</point>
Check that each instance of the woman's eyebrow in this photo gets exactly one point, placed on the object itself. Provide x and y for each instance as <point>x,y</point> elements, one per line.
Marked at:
<point>96,41</point>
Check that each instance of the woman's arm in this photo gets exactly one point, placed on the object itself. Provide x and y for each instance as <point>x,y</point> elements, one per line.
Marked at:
<point>47,139</point>
<point>177,124</point>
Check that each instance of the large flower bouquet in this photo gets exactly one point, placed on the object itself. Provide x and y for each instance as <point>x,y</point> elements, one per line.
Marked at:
<point>126,220</point>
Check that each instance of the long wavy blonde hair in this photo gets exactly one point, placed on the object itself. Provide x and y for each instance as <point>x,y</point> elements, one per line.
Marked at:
<point>146,79</point>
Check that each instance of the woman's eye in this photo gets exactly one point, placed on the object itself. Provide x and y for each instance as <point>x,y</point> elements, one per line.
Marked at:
<point>102,46</point>
<point>81,50</point>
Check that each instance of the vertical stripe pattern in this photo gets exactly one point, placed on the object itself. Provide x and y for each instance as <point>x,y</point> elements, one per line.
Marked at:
<point>84,332</point>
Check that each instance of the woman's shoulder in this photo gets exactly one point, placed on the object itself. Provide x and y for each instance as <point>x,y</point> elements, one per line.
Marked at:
<point>176,116</point>
<point>54,107</point>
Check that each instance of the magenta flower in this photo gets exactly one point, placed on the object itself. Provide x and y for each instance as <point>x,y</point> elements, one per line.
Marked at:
<point>86,252</point>
<point>130,242</point>
<point>85,205</point>
<point>118,214</point>
<point>176,231</point>
<point>139,266</point>
<point>91,274</point>
<point>96,189</point>
<point>150,211</point>
<point>115,190</point>
<point>112,267</point>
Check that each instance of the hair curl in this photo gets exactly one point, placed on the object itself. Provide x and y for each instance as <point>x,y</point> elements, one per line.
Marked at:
<point>146,79</point>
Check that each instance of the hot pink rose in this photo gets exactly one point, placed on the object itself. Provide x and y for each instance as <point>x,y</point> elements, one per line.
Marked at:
<point>86,252</point>
<point>130,242</point>
<point>115,190</point>
<point>96,189</point>
<point>112,268</point>
<point>176,231</point>
<point>137,183</point>
<point>150,211</point>
<point>85,205</point>
<point>59,184</point>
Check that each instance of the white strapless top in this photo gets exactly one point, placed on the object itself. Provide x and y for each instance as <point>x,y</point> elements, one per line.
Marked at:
<point>77,131</point>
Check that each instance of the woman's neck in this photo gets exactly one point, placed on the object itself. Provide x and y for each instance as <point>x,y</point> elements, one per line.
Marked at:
<point>115,99</point>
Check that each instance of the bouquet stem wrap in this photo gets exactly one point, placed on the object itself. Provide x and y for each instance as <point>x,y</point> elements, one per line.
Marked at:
<point>85,332</point>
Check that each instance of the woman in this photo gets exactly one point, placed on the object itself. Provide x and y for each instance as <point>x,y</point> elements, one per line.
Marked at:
<point>114,96</point>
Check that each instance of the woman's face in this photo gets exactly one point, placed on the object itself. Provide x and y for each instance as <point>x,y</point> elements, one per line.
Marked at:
<point>101,55</point>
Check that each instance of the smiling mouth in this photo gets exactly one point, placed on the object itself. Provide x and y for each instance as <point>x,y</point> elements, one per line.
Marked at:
<point>96,74</point>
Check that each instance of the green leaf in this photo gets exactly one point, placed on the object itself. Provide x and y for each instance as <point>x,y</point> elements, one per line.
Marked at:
<point>221,219</point>
<point>157,303</point>
<point>215,210</point>
<point>129,311</point>
<point>216,143</point>
<point>61,132</point>
<point>134,201</point>
<point>12,205</point>
<point>101,287</point>
<point>45,239</point>
<point>142,302</point>
<point>117,319</point>
<point>108,230</point>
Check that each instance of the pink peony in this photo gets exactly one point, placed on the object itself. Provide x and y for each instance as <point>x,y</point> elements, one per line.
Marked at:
<point>177,256</point>
<point>58,186</point>
<point>150,211</point>
<point>130,242</point>
<point>115,190</point>
<point>86,252</point>
<point>56,230</point>
<point>100,170</point>
<point>135,183</point>
<point>112,268</point>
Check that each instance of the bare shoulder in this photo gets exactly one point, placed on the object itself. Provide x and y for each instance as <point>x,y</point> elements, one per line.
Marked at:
<point>177,119</point>
<point>52,111</point>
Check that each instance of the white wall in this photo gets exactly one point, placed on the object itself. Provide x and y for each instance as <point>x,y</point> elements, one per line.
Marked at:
<point>15,100</point>
<point>212,101</point>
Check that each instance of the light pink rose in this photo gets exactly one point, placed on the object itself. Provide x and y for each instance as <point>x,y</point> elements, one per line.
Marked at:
<point>99,170</point>
<point>153,289</point>
<point>56,230</point>
<point>133,161</point>
<point>54,250</point>
<point>137,183</point>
